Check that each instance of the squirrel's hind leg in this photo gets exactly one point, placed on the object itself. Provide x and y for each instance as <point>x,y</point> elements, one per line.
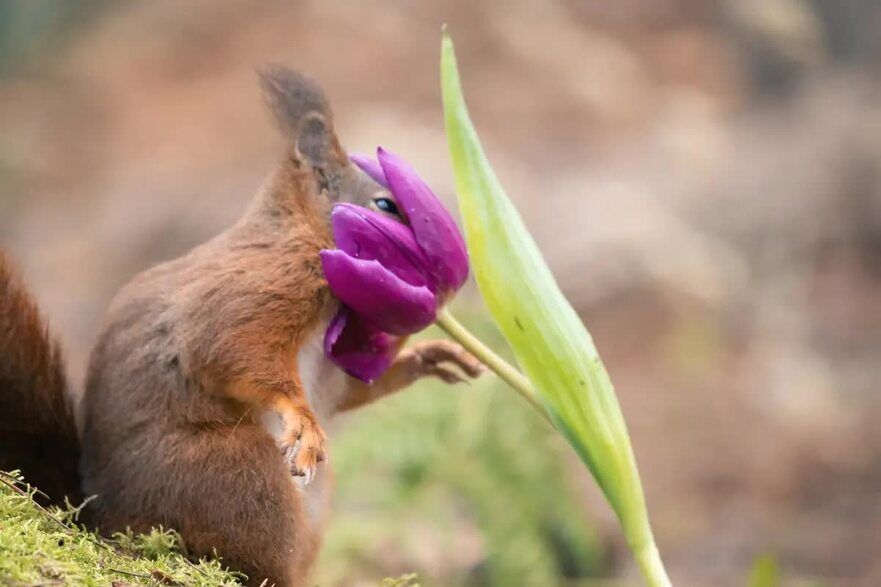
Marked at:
<point>244,505</point>
<point>225,489</point>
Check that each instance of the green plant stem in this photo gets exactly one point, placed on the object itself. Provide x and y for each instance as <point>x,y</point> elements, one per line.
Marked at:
<point>506,372</point>
<point>649,560</point>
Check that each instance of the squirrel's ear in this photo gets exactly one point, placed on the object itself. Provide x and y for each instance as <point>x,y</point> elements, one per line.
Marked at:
<point>303,114</point>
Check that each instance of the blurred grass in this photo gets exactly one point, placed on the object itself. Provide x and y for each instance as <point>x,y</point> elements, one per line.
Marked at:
<point>466,479</point>
<point>765,572</point>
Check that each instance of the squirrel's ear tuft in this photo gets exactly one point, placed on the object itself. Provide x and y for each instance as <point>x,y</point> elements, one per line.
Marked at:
<point>303,113</point>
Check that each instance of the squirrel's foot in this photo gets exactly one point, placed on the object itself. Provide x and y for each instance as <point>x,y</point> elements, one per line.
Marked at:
<point>303,446</point>
<point>444,359</point>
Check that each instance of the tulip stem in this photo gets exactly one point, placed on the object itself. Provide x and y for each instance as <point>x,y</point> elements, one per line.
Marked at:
<point>506,372</point>
<point>649,560</point>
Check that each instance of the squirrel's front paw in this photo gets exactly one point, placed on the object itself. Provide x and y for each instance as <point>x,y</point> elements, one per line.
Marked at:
<point>303,446</point>
<point>437,358</point>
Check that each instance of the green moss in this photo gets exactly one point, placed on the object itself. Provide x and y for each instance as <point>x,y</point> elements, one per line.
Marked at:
<point>40,546</point>
<point>408,580</point>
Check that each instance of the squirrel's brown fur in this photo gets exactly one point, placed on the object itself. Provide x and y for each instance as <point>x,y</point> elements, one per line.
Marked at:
<point>196,351</point>
<point>37,432</point>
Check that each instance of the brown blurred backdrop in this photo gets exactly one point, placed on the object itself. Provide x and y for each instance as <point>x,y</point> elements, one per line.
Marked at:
<point>704,178</point>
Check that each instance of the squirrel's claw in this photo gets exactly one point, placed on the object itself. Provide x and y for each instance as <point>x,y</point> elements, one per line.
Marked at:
<point>305,450</point>
<point>304,474</point>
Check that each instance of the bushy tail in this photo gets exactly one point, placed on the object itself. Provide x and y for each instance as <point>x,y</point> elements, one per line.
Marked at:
<point>37,430</point>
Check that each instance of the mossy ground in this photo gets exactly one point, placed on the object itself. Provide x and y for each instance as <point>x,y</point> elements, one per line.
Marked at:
<point>47,547</point>
<point>43,547</point>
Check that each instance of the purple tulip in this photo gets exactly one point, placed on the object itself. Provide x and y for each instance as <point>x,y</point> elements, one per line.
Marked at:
<point>391,277</point>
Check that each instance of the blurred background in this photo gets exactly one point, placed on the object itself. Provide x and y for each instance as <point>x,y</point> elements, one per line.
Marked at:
<point>704,178</point>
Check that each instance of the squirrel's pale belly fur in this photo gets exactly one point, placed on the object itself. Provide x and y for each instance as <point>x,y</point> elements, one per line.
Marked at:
<point>324,383</point>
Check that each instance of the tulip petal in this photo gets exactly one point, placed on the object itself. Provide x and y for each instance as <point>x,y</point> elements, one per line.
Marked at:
<point>369,166</point>
<point>365,234</point>
<point>368,288</point>
<point>359,348</point>
<point>434,228</point>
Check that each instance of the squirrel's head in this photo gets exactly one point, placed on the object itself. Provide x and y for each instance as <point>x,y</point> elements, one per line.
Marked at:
<point>303,114</point>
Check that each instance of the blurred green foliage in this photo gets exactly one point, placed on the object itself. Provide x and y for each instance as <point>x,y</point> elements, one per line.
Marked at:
<point>469,476</point>
<point>30,27</point>
<point>408,580</point>
<point>765,572</point>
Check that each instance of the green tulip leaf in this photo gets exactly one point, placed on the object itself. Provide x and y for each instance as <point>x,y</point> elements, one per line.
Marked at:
<point>549,340</point>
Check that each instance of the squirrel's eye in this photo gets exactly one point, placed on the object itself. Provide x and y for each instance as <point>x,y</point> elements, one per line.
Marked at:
<point>386,205</point>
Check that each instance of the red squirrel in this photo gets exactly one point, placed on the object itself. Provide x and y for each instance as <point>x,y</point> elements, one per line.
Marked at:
<point>208,390</point>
